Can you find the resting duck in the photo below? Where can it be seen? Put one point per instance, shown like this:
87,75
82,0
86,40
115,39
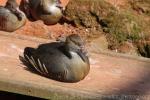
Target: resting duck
49,11
63,61
11,18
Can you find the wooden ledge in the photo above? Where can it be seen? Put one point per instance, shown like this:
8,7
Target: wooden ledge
110,74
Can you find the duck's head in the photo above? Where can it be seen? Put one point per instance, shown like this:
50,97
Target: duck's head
75,42
51,11
11,4
14,8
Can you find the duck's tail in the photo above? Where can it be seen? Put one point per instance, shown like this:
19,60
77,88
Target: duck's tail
34,63
28,57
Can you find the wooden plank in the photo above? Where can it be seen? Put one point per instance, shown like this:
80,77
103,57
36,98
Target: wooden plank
109,75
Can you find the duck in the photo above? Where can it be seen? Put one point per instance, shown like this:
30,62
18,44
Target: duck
62,61
49,11
11,17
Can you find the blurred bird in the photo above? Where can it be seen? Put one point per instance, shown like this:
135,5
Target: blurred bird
49,11
11,18
62,61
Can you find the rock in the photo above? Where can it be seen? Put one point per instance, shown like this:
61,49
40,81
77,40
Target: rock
34,29
144,48
99,44
128,48
141,6
87,13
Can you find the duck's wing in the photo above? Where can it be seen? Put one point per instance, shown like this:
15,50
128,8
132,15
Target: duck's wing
33,61
40,58
65,51
29,51
50,45
28,58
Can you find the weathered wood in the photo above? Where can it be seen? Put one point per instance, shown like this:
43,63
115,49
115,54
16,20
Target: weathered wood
109,74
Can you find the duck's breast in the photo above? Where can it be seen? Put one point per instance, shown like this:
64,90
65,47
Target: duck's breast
78,67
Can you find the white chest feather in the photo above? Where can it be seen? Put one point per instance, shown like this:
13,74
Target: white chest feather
53,9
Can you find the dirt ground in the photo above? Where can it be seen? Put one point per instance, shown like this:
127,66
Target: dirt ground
38,29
